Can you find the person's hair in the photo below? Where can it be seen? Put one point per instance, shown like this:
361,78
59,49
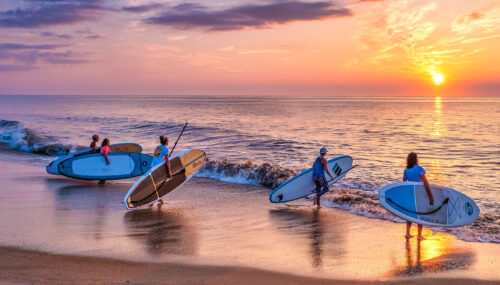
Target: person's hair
95,137
105,142
163,140
411,160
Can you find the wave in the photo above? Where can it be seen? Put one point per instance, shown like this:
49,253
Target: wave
246,173
16,136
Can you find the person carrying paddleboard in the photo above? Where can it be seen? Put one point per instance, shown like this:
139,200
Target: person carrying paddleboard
161,155
93,144
320,166
416,173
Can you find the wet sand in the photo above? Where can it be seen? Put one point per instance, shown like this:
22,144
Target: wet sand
212,232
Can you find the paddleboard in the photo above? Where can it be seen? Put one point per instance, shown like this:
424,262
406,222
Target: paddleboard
93,166
409,200
302,184
154,184
53,167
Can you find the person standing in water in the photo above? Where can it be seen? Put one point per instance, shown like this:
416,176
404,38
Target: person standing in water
319,168
104,151
416,173
161,155
93,144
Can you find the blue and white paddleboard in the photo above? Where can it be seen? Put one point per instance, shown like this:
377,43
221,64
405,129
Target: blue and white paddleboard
409,200
302,185
93,166
53,167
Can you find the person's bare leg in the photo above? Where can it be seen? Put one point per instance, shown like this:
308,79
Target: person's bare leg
408,228
315,200
420,237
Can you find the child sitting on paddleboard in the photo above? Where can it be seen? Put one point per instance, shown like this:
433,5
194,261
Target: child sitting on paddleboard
93,144
416,173
161,155
319,168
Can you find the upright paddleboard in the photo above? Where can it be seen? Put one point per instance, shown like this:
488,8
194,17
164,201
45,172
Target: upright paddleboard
302,184
93,166
154,184
53,167
409,200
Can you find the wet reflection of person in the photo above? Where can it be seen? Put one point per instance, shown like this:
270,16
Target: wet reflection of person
317,233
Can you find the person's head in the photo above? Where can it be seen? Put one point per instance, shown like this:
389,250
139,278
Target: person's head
164,140
323,151
411,160
95,138
105,142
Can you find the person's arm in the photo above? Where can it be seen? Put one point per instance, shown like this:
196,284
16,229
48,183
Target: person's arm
105,154
167,164
428,188
93,147
325,165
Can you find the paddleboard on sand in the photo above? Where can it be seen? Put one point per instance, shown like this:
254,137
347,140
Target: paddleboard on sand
154,184
53,167
93,166
302,184
409,200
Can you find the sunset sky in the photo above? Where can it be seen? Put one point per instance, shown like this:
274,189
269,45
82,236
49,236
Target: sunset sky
272,47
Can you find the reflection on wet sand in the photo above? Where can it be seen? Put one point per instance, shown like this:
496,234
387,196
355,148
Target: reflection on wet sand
433,255
163,231
315,226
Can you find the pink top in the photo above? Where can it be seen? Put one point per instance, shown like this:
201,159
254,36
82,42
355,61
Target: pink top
105,149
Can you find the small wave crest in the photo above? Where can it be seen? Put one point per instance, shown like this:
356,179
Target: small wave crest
264,174
17,136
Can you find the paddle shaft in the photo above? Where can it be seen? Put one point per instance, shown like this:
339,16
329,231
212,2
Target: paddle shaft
185,125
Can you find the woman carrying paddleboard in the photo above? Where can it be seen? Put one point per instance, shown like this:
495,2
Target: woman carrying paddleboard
319,168
160,155
416,173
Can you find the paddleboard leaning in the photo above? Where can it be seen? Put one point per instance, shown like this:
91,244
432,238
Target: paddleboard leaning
93,166
53,167
154,184
409,200
302,184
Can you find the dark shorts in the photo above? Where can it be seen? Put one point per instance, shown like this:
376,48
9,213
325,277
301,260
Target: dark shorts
321,185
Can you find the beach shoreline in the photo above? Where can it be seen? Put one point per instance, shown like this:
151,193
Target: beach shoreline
33,267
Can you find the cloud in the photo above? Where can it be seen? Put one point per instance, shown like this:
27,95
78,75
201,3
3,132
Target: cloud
58,36
477,22
192,15
143,8
42,13
21,57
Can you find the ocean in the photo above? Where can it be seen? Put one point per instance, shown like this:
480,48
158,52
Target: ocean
266,140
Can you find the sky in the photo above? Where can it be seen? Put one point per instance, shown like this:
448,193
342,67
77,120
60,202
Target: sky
260,47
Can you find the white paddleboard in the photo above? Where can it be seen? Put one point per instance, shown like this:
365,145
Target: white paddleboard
93,166
302,184
409,201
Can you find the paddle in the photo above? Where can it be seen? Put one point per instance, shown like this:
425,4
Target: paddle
178,139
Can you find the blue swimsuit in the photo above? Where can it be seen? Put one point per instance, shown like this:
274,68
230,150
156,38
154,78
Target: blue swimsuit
319,177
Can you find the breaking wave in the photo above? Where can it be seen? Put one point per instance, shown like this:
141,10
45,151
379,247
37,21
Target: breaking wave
16,136
246,173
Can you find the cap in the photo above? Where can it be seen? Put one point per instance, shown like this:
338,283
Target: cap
323,150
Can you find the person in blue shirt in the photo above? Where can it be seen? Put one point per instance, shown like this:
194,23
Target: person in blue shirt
416,173
320,166
161,155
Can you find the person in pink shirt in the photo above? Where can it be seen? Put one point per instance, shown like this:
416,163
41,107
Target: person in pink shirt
105,149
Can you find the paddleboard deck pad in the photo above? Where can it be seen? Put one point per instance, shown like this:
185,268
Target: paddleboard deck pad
302,184
53,167
154,184
93,166
410,201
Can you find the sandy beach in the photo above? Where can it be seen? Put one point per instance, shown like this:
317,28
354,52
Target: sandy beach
211,232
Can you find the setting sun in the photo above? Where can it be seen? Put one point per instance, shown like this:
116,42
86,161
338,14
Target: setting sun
437,77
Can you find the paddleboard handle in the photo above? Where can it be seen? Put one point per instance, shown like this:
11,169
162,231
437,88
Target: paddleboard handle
341,174
185,125
419,213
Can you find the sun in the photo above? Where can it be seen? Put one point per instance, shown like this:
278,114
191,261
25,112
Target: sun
437,77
